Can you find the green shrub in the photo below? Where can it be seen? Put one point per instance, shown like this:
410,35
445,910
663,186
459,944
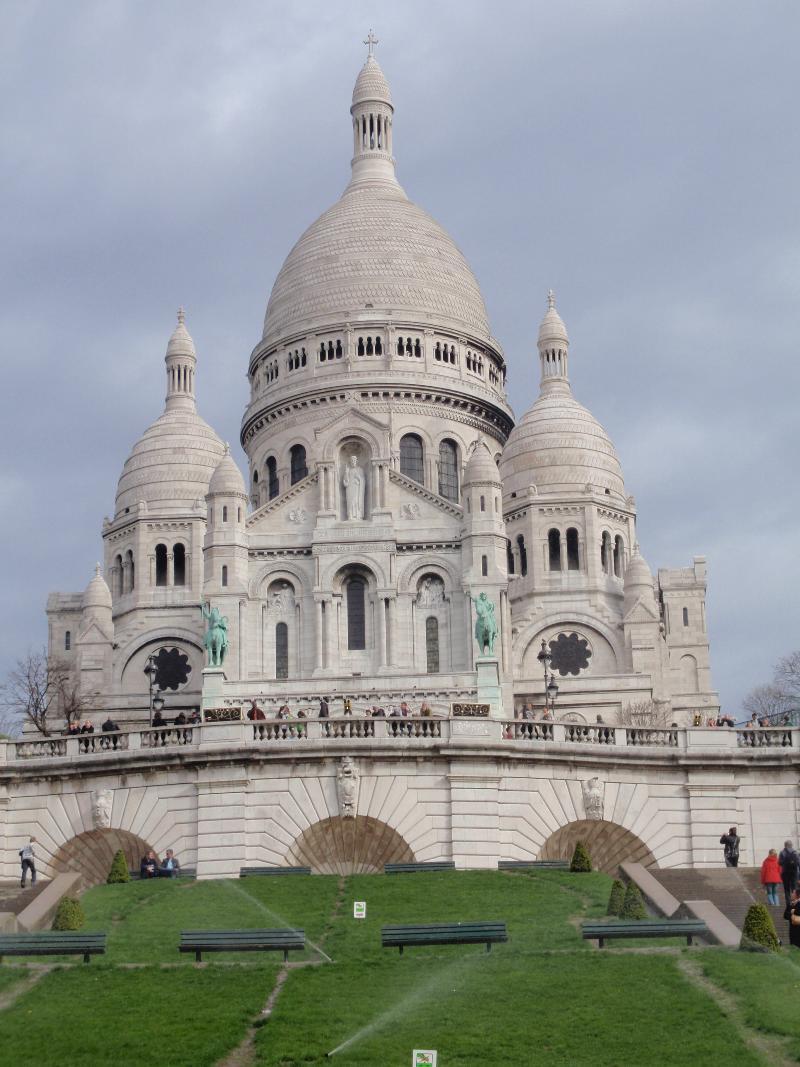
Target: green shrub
758,931
581,860
69,915
617,898
633,904
119,869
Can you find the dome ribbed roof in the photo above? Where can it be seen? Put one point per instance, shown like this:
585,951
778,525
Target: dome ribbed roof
171,463
637,573
559,445
227,478
96,594
481,467
377,252
371,83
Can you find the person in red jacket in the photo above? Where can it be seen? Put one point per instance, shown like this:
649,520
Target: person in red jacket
771,877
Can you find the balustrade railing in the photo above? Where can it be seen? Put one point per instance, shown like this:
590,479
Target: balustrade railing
764,737
50,747
163,736
580,733
655,738
529,731
112,741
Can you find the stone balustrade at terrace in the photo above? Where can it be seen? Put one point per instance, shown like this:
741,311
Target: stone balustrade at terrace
292,735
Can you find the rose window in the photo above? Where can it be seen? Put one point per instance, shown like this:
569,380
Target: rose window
571,654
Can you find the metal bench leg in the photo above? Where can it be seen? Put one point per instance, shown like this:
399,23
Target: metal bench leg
401,950
688,939
286,955
86,957
488,946
601,942
198,956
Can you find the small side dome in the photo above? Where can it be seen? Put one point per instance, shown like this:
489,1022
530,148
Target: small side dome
481,467
96,595
371,84
637,573
227,478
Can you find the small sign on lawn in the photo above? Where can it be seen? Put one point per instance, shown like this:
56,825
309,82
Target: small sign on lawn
360,912
424,1058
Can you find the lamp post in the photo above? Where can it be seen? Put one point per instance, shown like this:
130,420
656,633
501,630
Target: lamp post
550,686
151,670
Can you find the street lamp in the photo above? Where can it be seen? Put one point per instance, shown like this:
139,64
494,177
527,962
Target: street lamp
151,670
550,686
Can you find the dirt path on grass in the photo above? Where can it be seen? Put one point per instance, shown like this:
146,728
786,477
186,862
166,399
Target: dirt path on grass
772,1050
244,1055
15,992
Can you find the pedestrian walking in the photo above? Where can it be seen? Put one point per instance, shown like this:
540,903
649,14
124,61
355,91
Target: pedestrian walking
789,863
28,863
771,877
731,842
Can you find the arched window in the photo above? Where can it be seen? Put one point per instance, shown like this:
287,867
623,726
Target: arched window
356,613
685,616
432,644
378,347
179,564
483,503
485,566
412,457
606,553
554,550
224,512
67,641
118,582
509,558
297,463
161,564
619,554
360,348
523,555
224,574
272,477
281,650
131,570
573,556
448,470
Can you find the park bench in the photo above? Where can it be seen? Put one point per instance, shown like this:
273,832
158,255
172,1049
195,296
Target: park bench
415,868
246,872
542,865
472,933
182,872
603,932
200,941
53,943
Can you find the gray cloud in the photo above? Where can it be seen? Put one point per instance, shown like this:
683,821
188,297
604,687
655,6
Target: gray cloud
639,158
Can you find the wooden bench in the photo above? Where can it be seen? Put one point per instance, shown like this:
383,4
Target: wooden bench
472,933
415,868
602,932
53,943
522,865
246,872
182,872
200,941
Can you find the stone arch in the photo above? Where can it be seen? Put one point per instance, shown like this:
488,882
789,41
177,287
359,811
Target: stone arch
407,582
334,570
134,661
92,852
528,640
609,845
375,441
349,846
288,572
141,642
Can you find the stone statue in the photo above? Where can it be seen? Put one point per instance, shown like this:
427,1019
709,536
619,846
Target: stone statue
593,798
431,593
281,599
347,786
102,804
485,623
355,484
216,635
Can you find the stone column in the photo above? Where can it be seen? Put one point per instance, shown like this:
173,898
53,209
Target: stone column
170,569
381,606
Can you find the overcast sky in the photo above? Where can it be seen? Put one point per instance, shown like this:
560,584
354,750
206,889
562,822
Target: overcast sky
639,157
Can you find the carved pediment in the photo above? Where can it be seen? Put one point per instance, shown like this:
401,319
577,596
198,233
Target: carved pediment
352,417
295,508
424,499
641,612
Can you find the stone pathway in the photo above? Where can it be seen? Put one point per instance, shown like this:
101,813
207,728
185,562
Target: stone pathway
35,973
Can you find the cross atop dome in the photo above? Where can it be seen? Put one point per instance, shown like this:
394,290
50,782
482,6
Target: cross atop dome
370,42
181,315
551,299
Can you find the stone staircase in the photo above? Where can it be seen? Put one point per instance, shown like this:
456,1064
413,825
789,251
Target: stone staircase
731,889
14,900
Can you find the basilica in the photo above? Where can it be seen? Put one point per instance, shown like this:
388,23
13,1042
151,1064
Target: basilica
388,486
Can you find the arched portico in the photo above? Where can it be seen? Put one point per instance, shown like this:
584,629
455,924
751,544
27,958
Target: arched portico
91,853
349,846
609,845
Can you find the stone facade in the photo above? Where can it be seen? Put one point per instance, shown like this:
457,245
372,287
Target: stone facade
387,486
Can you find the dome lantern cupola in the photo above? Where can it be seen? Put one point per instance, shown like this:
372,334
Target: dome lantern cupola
372,113
181,361
553,349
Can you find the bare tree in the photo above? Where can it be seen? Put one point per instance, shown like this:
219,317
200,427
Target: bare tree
646,714
42,690
768,699
787,676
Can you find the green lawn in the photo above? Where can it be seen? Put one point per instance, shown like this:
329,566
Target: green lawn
545,996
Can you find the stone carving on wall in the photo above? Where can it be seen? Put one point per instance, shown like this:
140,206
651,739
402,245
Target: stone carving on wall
281,599
298,515
102,804
431,592
593,798
354,481
347,787
410,510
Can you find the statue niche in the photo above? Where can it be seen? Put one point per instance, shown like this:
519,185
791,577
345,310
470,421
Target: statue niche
354,477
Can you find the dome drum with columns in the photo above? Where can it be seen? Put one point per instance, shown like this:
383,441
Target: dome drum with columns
387,487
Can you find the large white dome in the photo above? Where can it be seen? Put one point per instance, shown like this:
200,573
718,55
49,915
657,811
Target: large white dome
375,252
